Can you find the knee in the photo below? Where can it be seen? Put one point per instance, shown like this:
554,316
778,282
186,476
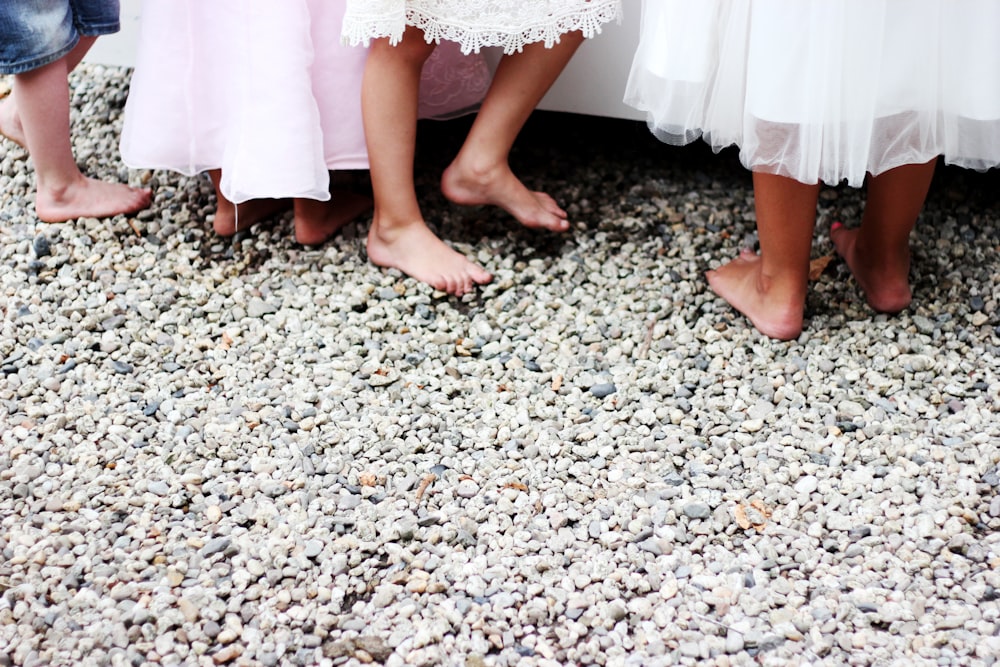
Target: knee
412,49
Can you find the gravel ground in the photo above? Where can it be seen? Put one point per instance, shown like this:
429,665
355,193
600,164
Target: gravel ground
250,452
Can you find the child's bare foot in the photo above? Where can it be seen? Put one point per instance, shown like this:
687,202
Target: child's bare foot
498,186
89,198
10,122
317,221
775,308
885,279
417,252
227,222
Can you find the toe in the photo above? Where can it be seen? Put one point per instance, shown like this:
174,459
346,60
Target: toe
456,285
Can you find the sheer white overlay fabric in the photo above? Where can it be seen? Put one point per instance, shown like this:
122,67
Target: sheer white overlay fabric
824,90
265,91
474,24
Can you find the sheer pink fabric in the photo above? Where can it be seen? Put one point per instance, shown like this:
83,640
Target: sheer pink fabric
266,91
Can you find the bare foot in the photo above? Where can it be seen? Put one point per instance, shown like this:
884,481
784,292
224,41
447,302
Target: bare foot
317,221
776,310
498,186
417,252
227,223
89,198
885,279
10,122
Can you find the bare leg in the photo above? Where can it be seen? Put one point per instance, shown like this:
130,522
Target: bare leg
63,193
770,288
10,119
230,217
399,237
481,173
878,252
317,221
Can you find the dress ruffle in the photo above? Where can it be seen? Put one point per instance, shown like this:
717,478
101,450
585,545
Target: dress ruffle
476,24
824,90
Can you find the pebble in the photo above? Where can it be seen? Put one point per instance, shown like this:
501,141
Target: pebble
313,549
122,367
216,545
734,641
697,511
603,390
227,654
158,487
806,485
467,488
258,308
41,246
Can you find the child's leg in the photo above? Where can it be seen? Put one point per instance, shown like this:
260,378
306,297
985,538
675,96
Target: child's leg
770,288
399,237
229,217
480,174
10,119
63,193
317,221
878,252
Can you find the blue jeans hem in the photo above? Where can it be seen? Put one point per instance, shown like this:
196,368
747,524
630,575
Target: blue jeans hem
49,58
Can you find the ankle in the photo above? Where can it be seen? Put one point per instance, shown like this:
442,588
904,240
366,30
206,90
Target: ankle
388,229
891,258
475,168
57,191
785,287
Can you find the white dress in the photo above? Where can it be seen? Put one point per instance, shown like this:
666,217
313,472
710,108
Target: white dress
474,24
824,90
266,92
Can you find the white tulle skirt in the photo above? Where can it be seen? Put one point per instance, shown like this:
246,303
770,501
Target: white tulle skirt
475,24
264,91
824,90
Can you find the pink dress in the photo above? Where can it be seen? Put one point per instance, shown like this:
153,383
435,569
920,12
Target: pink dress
264,91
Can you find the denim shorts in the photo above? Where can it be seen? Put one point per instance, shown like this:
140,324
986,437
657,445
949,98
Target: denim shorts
34,33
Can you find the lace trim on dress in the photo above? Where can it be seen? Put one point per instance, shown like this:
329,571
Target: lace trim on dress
362,27
547,27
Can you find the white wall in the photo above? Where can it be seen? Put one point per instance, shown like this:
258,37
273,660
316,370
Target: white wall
594,82
119,49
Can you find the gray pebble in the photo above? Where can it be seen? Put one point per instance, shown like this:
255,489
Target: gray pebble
603,390
215,545
41,246
697,511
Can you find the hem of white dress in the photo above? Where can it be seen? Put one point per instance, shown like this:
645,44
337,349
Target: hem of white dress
588,20
361,30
